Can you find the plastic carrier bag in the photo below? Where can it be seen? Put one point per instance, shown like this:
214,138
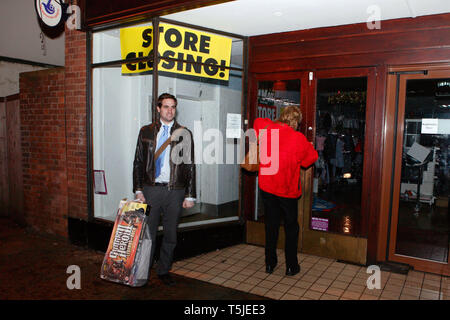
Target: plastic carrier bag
127,258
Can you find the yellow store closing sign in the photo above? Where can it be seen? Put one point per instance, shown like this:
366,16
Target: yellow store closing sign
177,43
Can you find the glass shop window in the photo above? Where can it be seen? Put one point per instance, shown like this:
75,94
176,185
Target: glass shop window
195,67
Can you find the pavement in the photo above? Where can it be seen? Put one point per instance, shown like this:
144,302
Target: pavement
35,273
37,267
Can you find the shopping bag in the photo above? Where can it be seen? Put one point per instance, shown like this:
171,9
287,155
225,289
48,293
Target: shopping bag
251,159
127,259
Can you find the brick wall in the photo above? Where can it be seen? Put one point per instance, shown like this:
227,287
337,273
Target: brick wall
75,95
53,128
43,139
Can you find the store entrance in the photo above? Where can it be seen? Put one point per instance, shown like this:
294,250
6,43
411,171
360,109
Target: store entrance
269,94
420,224
340,113
336,106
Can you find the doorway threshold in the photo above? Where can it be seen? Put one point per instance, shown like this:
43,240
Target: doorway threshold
395,267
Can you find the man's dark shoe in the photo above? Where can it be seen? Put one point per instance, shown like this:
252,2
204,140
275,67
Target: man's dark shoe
293,271
166,279
269,268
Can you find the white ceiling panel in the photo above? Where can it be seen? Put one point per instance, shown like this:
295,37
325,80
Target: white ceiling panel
256,17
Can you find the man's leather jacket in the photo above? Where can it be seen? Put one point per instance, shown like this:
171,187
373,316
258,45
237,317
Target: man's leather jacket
182,175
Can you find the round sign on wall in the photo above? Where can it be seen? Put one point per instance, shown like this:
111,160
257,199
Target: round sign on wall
50,12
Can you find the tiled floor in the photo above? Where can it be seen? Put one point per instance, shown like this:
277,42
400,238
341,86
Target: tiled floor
242,268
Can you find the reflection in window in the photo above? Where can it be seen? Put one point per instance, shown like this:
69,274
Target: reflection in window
273,96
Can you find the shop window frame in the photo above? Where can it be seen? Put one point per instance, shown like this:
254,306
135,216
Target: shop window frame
90,66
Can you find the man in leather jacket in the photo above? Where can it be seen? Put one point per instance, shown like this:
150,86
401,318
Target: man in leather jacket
166,183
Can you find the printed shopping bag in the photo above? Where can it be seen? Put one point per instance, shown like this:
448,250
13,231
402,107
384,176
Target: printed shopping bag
127,258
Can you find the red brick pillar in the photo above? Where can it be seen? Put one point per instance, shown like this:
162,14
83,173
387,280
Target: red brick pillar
75,99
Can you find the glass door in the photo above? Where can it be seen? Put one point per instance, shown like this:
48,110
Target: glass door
273,97
269,94
421,191
340,121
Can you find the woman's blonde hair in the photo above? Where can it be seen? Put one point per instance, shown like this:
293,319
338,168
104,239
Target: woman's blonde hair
292,116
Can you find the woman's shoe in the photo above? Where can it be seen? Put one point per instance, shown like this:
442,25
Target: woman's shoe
293,271
269,268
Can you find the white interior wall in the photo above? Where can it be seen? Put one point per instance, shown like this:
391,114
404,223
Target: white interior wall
197,103
107,46
120,108
189,111
228,174
210,104
118,114
210,170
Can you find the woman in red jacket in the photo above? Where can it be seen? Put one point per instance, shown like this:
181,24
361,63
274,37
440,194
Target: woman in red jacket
283,150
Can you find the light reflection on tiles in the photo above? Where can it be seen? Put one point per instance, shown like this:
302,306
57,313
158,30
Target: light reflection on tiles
242,267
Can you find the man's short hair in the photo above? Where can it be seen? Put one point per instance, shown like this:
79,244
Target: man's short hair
166,96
